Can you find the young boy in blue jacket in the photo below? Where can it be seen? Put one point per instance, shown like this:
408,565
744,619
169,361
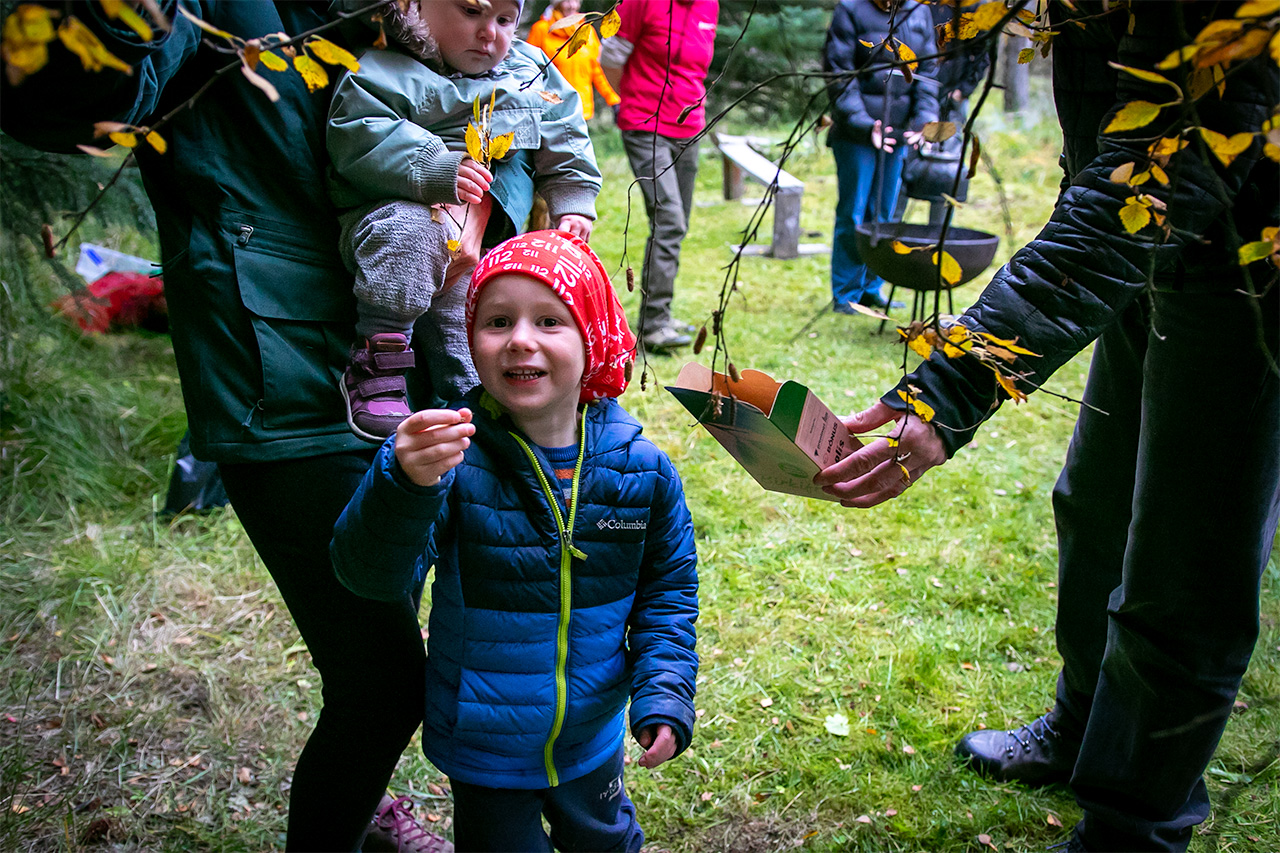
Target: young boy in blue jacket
418,209
566,574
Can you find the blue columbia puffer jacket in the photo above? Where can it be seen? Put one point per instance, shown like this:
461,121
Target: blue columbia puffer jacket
537,637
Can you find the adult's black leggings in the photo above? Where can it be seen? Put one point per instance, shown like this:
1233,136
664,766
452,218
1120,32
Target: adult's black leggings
370,654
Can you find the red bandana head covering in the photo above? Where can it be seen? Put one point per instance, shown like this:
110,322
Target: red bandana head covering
575,274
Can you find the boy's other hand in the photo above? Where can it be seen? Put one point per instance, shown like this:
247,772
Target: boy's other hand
474,181
578,226
429,443
659,743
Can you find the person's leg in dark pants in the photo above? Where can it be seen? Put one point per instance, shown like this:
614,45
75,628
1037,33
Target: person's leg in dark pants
1092,504
590,814
1184,620
498,819
369,654
665,178
594,812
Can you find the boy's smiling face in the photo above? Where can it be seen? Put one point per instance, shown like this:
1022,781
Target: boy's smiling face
470,37
530,356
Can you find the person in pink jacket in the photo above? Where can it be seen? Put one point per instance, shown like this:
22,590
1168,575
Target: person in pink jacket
582,68
658,63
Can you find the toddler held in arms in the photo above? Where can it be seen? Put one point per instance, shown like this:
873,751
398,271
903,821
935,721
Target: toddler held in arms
565,568
419,210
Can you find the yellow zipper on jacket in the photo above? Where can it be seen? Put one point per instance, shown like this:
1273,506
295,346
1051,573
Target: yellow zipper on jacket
567,553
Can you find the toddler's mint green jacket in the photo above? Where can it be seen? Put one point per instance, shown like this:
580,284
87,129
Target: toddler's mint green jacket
397,130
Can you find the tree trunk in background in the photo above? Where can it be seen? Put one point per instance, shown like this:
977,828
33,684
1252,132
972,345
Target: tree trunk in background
1016,78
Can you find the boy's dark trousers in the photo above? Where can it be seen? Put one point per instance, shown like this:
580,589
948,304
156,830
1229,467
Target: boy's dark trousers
590,813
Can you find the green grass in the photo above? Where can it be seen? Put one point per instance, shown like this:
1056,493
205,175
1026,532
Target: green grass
154,693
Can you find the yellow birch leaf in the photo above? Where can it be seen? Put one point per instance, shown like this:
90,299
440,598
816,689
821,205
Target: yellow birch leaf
1248,45
988,15
957,333
1149,76
907,55
610,24
865,43
1026,55
1012,345
1271,233
952,351
475,148
900,248
499,144
906,475
125,138
578,41
1009,388
938,131
1140,178
208,28
891,441
1159,174
328,52
453,245
1255,251
1274,47
1134,215
920,347
1167,146
922,409
272,62
1133,115
951,271
313,73
261,82
1216,32
475,110
567,22
157,142
1226,148
1178,57
1001,353
1258,9
1219,79
1199,84
123,12
94,56
1272,151
1122,173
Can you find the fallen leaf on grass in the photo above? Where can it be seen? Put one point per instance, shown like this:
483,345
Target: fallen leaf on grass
862,819
244,776
890,812
431,816
916,788
706,796
985,840
1053,820
766,702
837,724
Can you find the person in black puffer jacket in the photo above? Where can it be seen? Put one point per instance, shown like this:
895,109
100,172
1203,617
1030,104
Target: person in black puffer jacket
874,106
1162,542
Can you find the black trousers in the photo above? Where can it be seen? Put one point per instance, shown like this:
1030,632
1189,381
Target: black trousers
1166,514
370,654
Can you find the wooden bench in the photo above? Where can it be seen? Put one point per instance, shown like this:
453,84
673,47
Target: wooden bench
742,161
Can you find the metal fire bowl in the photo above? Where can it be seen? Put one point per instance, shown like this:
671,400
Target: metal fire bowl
973,250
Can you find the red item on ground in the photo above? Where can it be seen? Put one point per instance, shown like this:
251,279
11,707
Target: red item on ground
118,300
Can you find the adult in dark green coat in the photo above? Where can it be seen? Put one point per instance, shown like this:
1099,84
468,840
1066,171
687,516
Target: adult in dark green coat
262,314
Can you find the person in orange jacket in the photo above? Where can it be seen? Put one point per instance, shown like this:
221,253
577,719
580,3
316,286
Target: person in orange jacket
582,69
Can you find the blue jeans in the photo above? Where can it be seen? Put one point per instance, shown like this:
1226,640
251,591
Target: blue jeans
856,184
590,813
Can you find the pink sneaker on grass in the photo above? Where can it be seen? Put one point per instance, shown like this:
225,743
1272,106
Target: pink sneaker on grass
395,830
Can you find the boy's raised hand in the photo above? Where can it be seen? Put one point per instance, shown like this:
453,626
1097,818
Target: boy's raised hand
429,443
659,744
473,181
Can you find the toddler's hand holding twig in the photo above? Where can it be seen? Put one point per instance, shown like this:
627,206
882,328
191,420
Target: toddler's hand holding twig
429,443
474,181
578,226
659,743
